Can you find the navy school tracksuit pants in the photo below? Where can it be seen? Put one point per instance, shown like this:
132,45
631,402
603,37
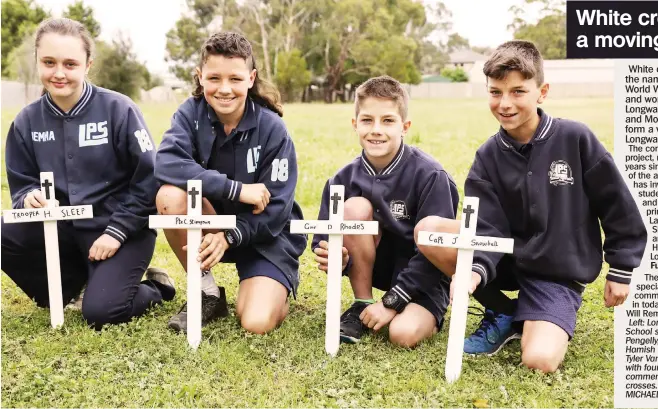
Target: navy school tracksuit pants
115,292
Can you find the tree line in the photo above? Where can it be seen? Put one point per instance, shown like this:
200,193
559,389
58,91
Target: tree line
115,65
311,49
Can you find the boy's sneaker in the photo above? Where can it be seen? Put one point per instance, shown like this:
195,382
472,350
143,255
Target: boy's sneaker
76,303
494,332
351,327
165,283
212,308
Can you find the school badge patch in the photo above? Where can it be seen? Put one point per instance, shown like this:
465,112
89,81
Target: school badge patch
398,209
560,173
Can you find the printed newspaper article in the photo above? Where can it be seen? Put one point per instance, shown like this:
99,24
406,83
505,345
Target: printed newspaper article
636,154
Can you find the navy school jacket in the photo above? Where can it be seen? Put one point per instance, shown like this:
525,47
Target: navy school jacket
412,187
101,154
258,150
549,196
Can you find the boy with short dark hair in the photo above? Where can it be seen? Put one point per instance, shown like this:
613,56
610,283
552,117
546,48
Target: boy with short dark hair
396,185
546,182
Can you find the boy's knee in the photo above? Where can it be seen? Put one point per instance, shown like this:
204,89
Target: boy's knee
405,334
436,224
98,314
171,200
258,322
541,359
358,208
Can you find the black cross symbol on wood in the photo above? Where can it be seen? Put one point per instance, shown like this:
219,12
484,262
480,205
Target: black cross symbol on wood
193,193
335,198
46,185
468,211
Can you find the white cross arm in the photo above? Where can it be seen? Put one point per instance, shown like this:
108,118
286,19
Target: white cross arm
334,227
192,222
48,214
482,243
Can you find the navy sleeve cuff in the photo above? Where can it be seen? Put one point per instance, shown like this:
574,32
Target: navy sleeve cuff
232,190
233,237
482,271
619,274
116,232
402,293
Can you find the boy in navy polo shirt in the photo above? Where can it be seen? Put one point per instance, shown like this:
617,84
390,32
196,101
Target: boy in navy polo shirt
396,185
546,182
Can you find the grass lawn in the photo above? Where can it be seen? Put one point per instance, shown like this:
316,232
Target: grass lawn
143,364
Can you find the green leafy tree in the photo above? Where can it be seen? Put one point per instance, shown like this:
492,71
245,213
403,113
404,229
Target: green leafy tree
115,67
455,74
21,64
549,33
185,39
149,80
457,42
292,74
19,19
85,15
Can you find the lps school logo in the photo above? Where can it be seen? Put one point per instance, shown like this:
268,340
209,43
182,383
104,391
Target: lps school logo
560,173
398,209
92,134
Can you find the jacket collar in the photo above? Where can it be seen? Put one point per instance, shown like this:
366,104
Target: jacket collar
87,93
394,164
543,132
248,121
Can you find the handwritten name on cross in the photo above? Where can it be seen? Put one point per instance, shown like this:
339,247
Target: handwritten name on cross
335,227
193,222
466,242
49,215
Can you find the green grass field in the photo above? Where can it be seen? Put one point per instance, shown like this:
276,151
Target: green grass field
143,364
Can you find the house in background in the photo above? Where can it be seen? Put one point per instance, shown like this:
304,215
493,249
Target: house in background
465,59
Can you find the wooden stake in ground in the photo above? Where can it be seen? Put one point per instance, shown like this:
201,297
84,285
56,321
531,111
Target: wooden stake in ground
335,227
193,222
466,242
49,215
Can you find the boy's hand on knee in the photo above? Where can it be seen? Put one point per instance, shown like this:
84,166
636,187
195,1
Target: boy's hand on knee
255,194
376,316
211,250
615,293
103,248
322,255
475,281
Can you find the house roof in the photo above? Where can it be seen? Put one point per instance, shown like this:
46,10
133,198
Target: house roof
466,56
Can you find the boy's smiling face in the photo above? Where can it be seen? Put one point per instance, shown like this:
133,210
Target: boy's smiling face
513,101
380,129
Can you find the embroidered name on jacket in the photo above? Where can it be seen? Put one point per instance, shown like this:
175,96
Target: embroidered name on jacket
93,133
560,173
43,136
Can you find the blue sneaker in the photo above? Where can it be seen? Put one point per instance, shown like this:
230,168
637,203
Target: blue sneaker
494,332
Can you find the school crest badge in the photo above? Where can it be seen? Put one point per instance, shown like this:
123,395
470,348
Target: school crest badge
560,173
398,210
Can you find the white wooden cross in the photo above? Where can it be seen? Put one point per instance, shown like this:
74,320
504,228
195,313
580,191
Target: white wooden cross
193,222
335,227
466,242
49,215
